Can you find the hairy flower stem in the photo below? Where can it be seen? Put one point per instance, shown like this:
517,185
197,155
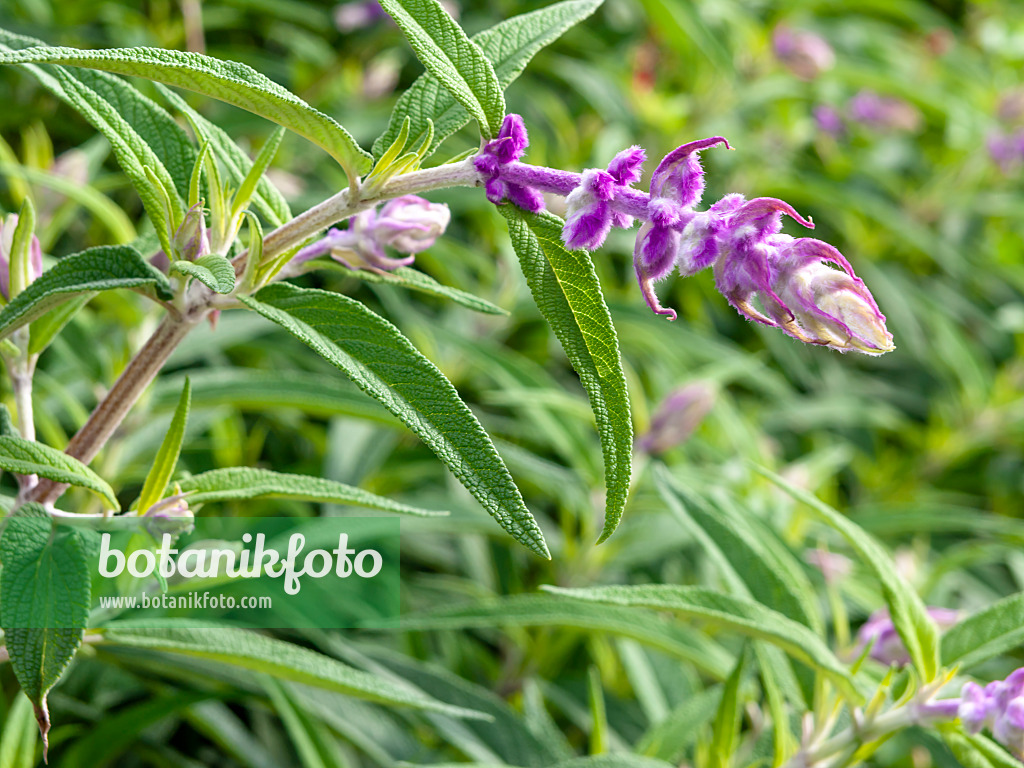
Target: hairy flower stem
129,386
839,748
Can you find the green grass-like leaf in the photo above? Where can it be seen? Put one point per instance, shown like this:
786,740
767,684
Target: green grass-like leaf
568,293
746,617
384,364
284,661
167,456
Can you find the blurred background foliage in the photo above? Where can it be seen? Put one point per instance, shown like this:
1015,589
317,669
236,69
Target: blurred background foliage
898,126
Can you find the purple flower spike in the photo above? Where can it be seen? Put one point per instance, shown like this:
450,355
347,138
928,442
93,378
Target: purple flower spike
679,175
512,140
589,217
999,706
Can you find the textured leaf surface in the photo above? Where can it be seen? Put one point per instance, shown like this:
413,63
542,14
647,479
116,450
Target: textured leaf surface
44,601
509,46
167,455
27,457
455,60
553,611
743,616
248,650
568,293
991,632
384,364
213,270
97,269
235,483
915,627
227,81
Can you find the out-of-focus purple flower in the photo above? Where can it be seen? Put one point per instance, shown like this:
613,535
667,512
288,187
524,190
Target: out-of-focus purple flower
409,224
1006,150
35,262
884,112
677,418
1010,109
999,706
804,53
886,645
833,566
359,14
829,120
190,241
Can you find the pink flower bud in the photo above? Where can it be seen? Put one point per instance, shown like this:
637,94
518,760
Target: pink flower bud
678,417
190,242
410,224
827,306
171,515
805,54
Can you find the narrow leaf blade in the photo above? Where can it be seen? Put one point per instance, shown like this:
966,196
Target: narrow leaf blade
385,365
27,457
568,293
227,81
450,56
167,456
242,483
98,269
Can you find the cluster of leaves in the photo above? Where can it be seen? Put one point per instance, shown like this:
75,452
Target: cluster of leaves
714,635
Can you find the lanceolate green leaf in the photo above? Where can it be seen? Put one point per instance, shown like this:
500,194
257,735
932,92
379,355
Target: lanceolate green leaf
228,81
97,269
509,46
44,601
385,364
167,457
739,615
248,650
213,270
990,632
27,457
455,60
568,293
915,627
240,483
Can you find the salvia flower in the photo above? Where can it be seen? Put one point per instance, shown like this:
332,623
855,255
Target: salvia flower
999,707
884,112
886,645
767,276
8,226
408,224
171,515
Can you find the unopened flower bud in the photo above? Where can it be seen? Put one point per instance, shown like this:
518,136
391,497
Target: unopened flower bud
190,242
828,306
886,645
834,567
171,515
8,226
678,417
410,224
